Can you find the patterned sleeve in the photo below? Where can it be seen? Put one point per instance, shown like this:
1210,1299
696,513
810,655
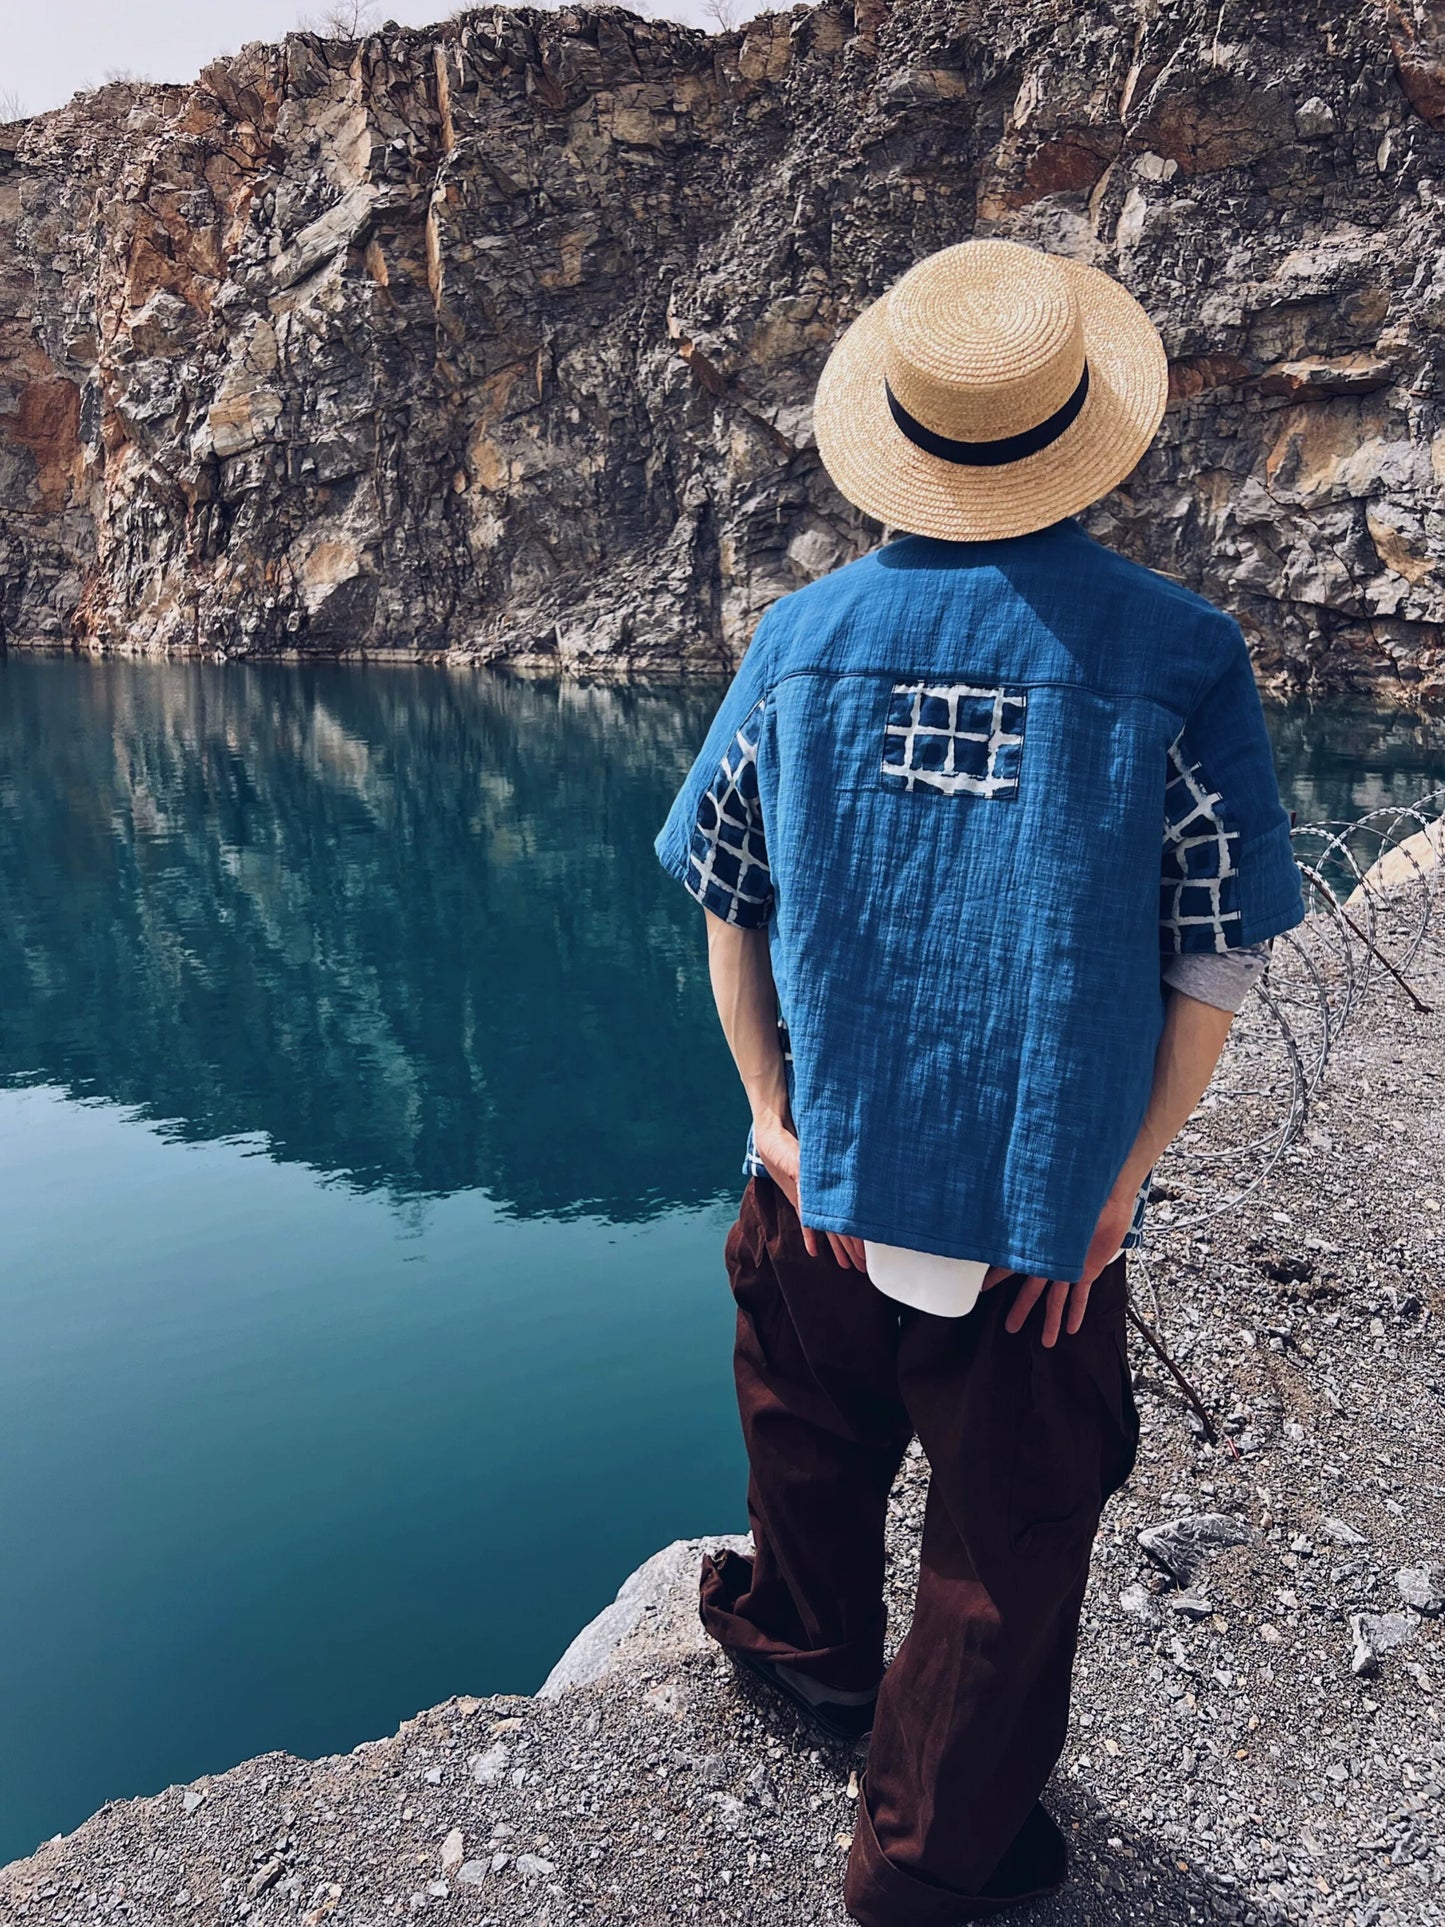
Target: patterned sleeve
1228,878
727,867
1134,1236
714,840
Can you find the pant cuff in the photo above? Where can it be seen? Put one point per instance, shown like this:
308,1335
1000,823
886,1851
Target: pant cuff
725,1578
879,1894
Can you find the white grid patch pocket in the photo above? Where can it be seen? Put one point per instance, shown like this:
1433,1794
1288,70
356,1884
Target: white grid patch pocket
955,738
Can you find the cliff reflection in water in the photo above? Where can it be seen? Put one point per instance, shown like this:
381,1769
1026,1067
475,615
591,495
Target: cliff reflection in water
406,924
1336,760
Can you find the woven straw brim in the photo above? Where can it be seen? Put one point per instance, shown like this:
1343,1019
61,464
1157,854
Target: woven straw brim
875,465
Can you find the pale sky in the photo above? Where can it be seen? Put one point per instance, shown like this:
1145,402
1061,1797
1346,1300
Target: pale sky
51,48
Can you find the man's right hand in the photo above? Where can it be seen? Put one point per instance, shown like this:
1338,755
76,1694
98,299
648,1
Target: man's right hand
776,1143
1066,1301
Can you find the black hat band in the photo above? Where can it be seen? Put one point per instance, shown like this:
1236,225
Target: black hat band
991,454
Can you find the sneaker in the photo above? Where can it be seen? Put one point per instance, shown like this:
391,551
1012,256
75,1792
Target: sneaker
841,1715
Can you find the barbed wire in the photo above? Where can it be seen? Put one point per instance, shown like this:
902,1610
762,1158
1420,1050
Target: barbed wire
1372,885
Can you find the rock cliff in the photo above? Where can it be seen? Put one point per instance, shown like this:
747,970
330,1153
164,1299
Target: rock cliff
498,338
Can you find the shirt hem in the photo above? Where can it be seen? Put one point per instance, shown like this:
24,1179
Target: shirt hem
849,1227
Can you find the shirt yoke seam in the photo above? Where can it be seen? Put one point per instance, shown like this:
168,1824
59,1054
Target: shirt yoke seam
1036,682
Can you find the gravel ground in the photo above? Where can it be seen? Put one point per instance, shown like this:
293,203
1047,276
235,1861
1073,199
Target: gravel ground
1257,1733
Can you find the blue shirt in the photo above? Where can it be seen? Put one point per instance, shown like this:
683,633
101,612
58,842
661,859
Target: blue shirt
939,779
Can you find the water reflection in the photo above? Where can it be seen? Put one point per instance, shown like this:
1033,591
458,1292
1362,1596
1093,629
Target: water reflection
1337,760
404,923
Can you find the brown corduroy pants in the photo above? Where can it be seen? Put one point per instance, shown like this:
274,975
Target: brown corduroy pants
1024,1447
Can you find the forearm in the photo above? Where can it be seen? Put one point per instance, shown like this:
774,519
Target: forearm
747,1007
1189,1048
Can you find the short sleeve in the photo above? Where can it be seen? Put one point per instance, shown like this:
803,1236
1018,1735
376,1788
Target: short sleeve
1220,978
714,840
1228,877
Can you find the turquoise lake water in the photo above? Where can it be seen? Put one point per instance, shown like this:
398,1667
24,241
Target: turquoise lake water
367,1144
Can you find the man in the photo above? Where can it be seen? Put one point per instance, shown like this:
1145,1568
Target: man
991,846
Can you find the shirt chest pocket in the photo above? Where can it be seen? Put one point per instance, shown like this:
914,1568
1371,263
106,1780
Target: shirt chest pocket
949,739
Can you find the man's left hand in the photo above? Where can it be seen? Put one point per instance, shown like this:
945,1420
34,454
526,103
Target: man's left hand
776,1143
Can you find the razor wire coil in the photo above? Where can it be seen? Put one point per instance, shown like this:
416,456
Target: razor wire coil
1371,886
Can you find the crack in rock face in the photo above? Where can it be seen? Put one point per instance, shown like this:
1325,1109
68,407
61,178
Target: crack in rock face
497,339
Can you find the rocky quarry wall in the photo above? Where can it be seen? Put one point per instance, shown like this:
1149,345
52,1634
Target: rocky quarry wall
497,339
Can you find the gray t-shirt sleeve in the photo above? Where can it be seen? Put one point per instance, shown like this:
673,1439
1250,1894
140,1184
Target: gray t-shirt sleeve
1223,978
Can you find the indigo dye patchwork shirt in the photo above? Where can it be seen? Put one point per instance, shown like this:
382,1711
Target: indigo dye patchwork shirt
943,778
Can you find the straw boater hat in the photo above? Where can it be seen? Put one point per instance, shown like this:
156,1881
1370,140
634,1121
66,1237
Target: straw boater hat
994,389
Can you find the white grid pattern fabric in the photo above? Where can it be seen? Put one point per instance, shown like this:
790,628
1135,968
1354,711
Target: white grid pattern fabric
727,868
1197,908
957,738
